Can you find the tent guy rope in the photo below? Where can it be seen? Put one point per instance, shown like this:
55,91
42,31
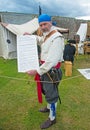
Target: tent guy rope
21,79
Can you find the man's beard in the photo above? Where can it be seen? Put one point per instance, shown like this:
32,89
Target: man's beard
46,33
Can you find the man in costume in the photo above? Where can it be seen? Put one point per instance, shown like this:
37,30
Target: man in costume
52,45
69,51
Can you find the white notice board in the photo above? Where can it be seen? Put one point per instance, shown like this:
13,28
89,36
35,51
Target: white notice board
85,72
27,54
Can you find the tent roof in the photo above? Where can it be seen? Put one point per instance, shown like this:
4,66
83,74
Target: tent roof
29,27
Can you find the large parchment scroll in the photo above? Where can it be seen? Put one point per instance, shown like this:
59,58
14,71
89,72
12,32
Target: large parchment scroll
27,54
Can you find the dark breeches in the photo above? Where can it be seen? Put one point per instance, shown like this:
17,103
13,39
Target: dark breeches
49,88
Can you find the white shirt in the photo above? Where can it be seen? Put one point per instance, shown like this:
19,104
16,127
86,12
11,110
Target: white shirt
51,51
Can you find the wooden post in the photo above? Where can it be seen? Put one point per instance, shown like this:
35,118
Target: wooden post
76,53
68,68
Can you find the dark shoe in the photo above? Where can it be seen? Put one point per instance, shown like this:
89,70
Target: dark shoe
48,123
44,110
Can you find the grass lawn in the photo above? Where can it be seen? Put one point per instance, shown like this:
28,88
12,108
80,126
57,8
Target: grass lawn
19,105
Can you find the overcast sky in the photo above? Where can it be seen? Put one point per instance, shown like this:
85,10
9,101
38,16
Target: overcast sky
64,8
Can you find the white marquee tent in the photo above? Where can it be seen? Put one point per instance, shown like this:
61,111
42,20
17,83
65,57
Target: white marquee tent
8,36
82,31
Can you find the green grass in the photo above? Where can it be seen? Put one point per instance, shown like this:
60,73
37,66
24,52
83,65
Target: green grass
19,105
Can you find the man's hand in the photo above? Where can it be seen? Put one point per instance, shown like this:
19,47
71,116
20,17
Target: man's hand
31,72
